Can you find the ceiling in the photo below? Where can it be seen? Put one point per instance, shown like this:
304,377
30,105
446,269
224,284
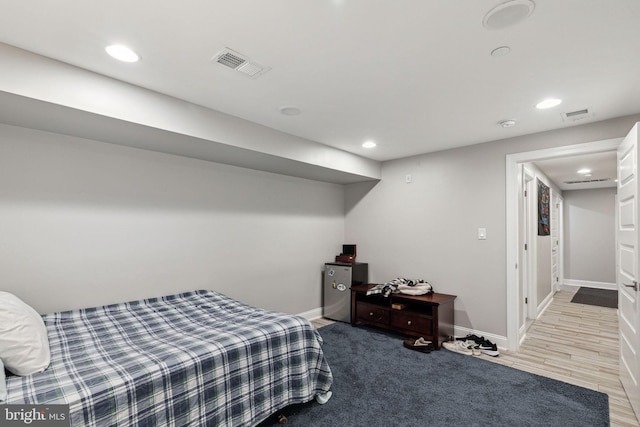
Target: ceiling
415,76
563,171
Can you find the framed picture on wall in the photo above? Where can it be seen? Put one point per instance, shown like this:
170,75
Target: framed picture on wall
543,209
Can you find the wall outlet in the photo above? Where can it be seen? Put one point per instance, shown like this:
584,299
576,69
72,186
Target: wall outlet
408,178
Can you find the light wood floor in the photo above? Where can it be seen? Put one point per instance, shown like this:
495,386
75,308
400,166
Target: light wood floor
574,343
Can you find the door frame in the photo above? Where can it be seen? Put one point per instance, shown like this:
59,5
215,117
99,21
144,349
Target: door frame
529,255
527,276
557,213
513,245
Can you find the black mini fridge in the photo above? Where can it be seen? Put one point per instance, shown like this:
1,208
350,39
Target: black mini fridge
336,288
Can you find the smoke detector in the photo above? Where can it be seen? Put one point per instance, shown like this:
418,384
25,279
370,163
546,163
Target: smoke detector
240,63
500,51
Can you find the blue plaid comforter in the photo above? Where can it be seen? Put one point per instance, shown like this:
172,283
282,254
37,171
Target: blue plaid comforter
193,359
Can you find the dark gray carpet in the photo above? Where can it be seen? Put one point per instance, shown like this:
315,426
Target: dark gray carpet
378,382
599,297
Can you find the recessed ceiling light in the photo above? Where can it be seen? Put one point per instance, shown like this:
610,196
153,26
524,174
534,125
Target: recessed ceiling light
584,171
507,123
548,103
369,144
122,53
290,111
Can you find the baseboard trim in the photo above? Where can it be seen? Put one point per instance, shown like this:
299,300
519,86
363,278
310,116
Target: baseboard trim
573,285
544,305
310,315
522,333
459,331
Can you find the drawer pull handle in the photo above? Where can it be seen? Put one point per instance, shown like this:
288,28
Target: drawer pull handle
409,322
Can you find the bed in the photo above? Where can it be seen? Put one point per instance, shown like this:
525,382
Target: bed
195,358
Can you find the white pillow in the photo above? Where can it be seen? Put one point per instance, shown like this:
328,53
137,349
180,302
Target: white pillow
24,344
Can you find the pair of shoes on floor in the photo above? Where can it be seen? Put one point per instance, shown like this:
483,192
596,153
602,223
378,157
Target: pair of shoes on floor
465,347
483,345
419,344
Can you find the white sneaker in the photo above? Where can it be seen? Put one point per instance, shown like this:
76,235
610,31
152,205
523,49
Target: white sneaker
458,347
473,346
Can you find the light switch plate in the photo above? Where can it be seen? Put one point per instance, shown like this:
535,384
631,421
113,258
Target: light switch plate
482,234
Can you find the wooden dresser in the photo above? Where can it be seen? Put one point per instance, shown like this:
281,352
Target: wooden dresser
428,316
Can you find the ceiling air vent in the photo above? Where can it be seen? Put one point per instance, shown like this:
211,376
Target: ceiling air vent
240,63
574,116
588,181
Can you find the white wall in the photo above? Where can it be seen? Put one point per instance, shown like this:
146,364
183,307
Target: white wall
86,223
428,229
589,218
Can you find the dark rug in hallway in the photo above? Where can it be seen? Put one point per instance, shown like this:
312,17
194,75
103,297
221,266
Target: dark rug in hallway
378,382
599,297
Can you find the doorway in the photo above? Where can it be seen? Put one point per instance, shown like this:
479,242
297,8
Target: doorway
515,179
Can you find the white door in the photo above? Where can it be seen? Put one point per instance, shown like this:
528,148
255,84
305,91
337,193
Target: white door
627,274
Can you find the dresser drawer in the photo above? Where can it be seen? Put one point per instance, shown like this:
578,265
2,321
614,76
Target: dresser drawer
372,313
412,321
